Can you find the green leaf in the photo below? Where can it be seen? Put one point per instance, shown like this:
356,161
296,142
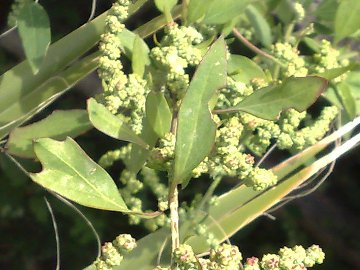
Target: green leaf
333,73
34,30
195,134
58,125
197,10
68,171
353,81
268,102
140,56
165,5
244,69
260,25
139,155
111,125
326,10
347,19
158,113
28,103
347,99
220,12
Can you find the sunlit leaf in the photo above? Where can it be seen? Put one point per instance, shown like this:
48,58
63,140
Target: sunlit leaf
197,9
244,69
347,19
347,99
34,29
196,129
111,125
220,12
261,27
58,125
140,56
268,102
68,171
158,113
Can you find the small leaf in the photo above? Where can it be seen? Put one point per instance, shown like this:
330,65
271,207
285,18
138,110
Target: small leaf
195,134
165,6
140,56
261,27
220,12
333,73
244,69
111,125
34,29
68,171
347,99
347,19
58,125
197,10
158,113
297,93
138,154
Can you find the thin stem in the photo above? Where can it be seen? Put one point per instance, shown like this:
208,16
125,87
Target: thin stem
255,49
174,219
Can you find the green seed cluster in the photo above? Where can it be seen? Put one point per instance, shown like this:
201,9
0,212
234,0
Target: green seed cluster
228,257
299,139
327,58
112,252
15,8
299,12
296,258
123,95
175,53
288,54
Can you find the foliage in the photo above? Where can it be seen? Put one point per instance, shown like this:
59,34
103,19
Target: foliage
187,107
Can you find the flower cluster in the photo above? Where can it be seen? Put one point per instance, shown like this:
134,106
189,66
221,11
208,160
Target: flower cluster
287,259
112,252
174,54
327,58
15,8
123,94
228,257
295,64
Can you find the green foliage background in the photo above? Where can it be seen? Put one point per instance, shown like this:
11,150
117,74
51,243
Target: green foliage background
327,217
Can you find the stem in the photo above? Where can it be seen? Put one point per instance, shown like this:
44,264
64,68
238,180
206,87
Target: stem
255,49
174,219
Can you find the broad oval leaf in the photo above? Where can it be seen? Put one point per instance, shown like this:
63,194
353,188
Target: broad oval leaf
68,171
111,125
268,102
158,113
244,69
58,125
34,29
220,12
196,129
347,19
197,10
260,25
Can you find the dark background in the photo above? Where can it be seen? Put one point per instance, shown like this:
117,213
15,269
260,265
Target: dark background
329,217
